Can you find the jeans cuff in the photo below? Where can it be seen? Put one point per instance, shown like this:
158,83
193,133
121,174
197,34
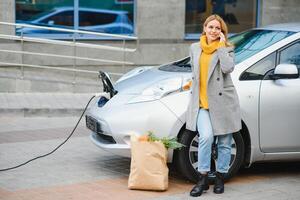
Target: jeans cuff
203,170
222,171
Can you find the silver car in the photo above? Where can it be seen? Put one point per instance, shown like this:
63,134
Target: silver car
267,80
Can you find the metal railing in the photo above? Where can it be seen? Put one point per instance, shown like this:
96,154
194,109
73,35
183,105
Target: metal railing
74,44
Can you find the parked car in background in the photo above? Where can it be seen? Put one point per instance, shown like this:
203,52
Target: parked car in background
266,77
97,20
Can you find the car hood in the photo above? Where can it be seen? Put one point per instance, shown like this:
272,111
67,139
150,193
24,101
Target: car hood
139,82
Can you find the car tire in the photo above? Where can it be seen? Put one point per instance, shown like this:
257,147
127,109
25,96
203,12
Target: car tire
184,158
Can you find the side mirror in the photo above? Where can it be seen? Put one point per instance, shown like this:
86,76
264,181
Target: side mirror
285,71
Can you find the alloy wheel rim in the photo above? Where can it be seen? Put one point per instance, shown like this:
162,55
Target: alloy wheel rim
193,155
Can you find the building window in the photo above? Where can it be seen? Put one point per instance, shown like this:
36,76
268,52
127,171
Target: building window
110,16
239,15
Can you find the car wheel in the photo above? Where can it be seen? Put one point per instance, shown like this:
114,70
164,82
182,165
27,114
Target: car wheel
186,159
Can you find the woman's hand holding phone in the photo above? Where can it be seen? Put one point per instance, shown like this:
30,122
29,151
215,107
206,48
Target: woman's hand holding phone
222,37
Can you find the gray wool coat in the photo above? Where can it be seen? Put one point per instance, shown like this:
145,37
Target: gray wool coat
224,108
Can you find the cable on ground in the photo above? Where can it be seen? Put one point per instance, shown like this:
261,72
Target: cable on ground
47,154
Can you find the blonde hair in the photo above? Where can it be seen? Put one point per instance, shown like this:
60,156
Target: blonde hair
224,27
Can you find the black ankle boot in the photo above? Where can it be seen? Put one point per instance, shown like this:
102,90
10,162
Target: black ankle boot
219,183
201,186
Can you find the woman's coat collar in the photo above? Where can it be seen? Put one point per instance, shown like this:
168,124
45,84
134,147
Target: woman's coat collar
196,54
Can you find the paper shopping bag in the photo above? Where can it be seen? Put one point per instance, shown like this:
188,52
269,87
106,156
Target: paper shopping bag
148,169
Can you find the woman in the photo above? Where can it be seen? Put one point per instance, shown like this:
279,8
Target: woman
214,107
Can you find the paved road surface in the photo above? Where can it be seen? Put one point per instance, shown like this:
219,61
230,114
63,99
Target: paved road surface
80,170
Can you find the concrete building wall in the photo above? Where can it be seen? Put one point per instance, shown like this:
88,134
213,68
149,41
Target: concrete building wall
160,19
7,14
280,11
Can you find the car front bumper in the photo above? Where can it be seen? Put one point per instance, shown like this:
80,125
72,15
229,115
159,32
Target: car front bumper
118,120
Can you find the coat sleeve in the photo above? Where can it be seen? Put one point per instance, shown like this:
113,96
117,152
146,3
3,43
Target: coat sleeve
226,57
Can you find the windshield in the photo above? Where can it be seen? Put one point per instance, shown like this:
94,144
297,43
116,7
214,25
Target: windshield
246,44
251,42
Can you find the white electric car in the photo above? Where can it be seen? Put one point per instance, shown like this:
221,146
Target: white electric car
267,80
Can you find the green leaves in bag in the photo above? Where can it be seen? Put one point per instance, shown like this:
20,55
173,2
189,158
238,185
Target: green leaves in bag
169,143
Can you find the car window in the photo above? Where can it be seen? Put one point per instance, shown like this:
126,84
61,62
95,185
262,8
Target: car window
179,66
87,18
291,55
251,42
63,18
39,15
259,69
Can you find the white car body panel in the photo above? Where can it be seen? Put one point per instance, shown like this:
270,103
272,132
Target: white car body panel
166,116
152,113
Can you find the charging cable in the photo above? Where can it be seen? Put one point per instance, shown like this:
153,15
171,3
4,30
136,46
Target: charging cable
47,154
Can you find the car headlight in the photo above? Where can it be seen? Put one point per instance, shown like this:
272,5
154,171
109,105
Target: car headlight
162,89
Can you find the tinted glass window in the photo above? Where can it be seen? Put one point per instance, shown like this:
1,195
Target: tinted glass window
39,15
95,18
251,42
291,55
258,70
62,18
94,14
238,15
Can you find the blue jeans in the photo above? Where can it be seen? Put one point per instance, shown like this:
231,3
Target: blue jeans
206,138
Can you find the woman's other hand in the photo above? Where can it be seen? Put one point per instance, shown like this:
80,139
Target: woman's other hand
222,37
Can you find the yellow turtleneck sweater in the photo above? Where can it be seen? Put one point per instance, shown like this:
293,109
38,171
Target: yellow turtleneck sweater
204,62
